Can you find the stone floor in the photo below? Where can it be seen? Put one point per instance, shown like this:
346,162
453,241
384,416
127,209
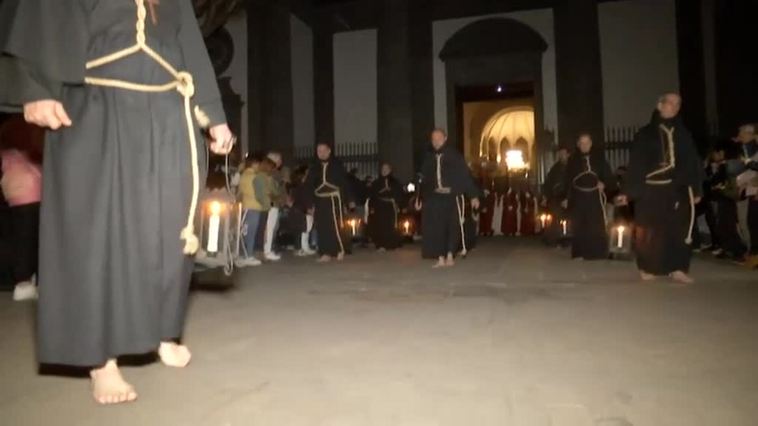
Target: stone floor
515,335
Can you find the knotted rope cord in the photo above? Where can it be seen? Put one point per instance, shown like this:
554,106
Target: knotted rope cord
691,194
440,189
333,194
601,194
672,157
460,204
390,199
183,83
671,165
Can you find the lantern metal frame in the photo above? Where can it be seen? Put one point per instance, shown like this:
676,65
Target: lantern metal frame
620,236
228,232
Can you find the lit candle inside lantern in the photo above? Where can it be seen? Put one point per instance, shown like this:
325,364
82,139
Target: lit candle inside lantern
620,236
407,227
353,225
543,220
564,226
214,224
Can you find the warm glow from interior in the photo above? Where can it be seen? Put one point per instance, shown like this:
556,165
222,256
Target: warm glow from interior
514,159
509,125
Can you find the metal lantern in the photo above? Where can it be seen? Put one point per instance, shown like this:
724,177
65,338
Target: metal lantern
620,240
355,227
219,230
544,221
564,228
407,227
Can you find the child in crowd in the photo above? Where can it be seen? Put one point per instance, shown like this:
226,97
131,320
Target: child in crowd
21,185
255,190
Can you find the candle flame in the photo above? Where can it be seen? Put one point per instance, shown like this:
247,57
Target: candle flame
215,208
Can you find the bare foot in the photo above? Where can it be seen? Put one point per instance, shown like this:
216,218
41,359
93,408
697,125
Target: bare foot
681,277
450,261
341,257
174,355
440,263
646,277
324,259
109,386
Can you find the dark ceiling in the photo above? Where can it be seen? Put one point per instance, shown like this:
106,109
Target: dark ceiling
350,15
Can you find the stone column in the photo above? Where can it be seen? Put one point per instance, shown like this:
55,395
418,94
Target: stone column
578,70
689,29
395,110
323,79
422,78
270,77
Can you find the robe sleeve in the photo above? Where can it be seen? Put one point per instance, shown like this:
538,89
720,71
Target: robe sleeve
572,169
426,186
341,180
547,186
607,177
43,43
397,192
207,100
691,174
19,85
309,186
635,175
468,184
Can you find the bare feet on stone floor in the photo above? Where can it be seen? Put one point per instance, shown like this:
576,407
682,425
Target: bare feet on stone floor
644,276
340,257
324,259
440,263
681,277
174,355
109,386
450,261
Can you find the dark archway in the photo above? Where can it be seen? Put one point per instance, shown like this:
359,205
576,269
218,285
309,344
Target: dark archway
501,54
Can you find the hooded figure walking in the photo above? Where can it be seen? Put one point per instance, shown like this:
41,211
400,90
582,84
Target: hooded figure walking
124,87
665,181
446,183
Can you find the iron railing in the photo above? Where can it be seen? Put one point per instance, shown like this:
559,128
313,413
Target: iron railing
363,156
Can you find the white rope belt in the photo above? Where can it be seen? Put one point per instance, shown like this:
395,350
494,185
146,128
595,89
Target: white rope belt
460,204
182,83
333,195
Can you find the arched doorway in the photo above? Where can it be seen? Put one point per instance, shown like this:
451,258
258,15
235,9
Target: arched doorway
509,129
498,62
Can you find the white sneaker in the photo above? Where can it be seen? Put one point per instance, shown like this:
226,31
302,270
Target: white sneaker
271,256
249,261
25,291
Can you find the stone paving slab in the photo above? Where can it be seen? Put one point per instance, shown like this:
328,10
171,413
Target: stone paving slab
517,334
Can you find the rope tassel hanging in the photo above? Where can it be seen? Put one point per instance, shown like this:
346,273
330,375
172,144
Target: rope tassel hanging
184,84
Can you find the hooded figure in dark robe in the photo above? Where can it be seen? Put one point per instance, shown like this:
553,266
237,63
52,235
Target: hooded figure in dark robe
446,183
385,199
329,192
554,192
665,181
125,86
588,177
